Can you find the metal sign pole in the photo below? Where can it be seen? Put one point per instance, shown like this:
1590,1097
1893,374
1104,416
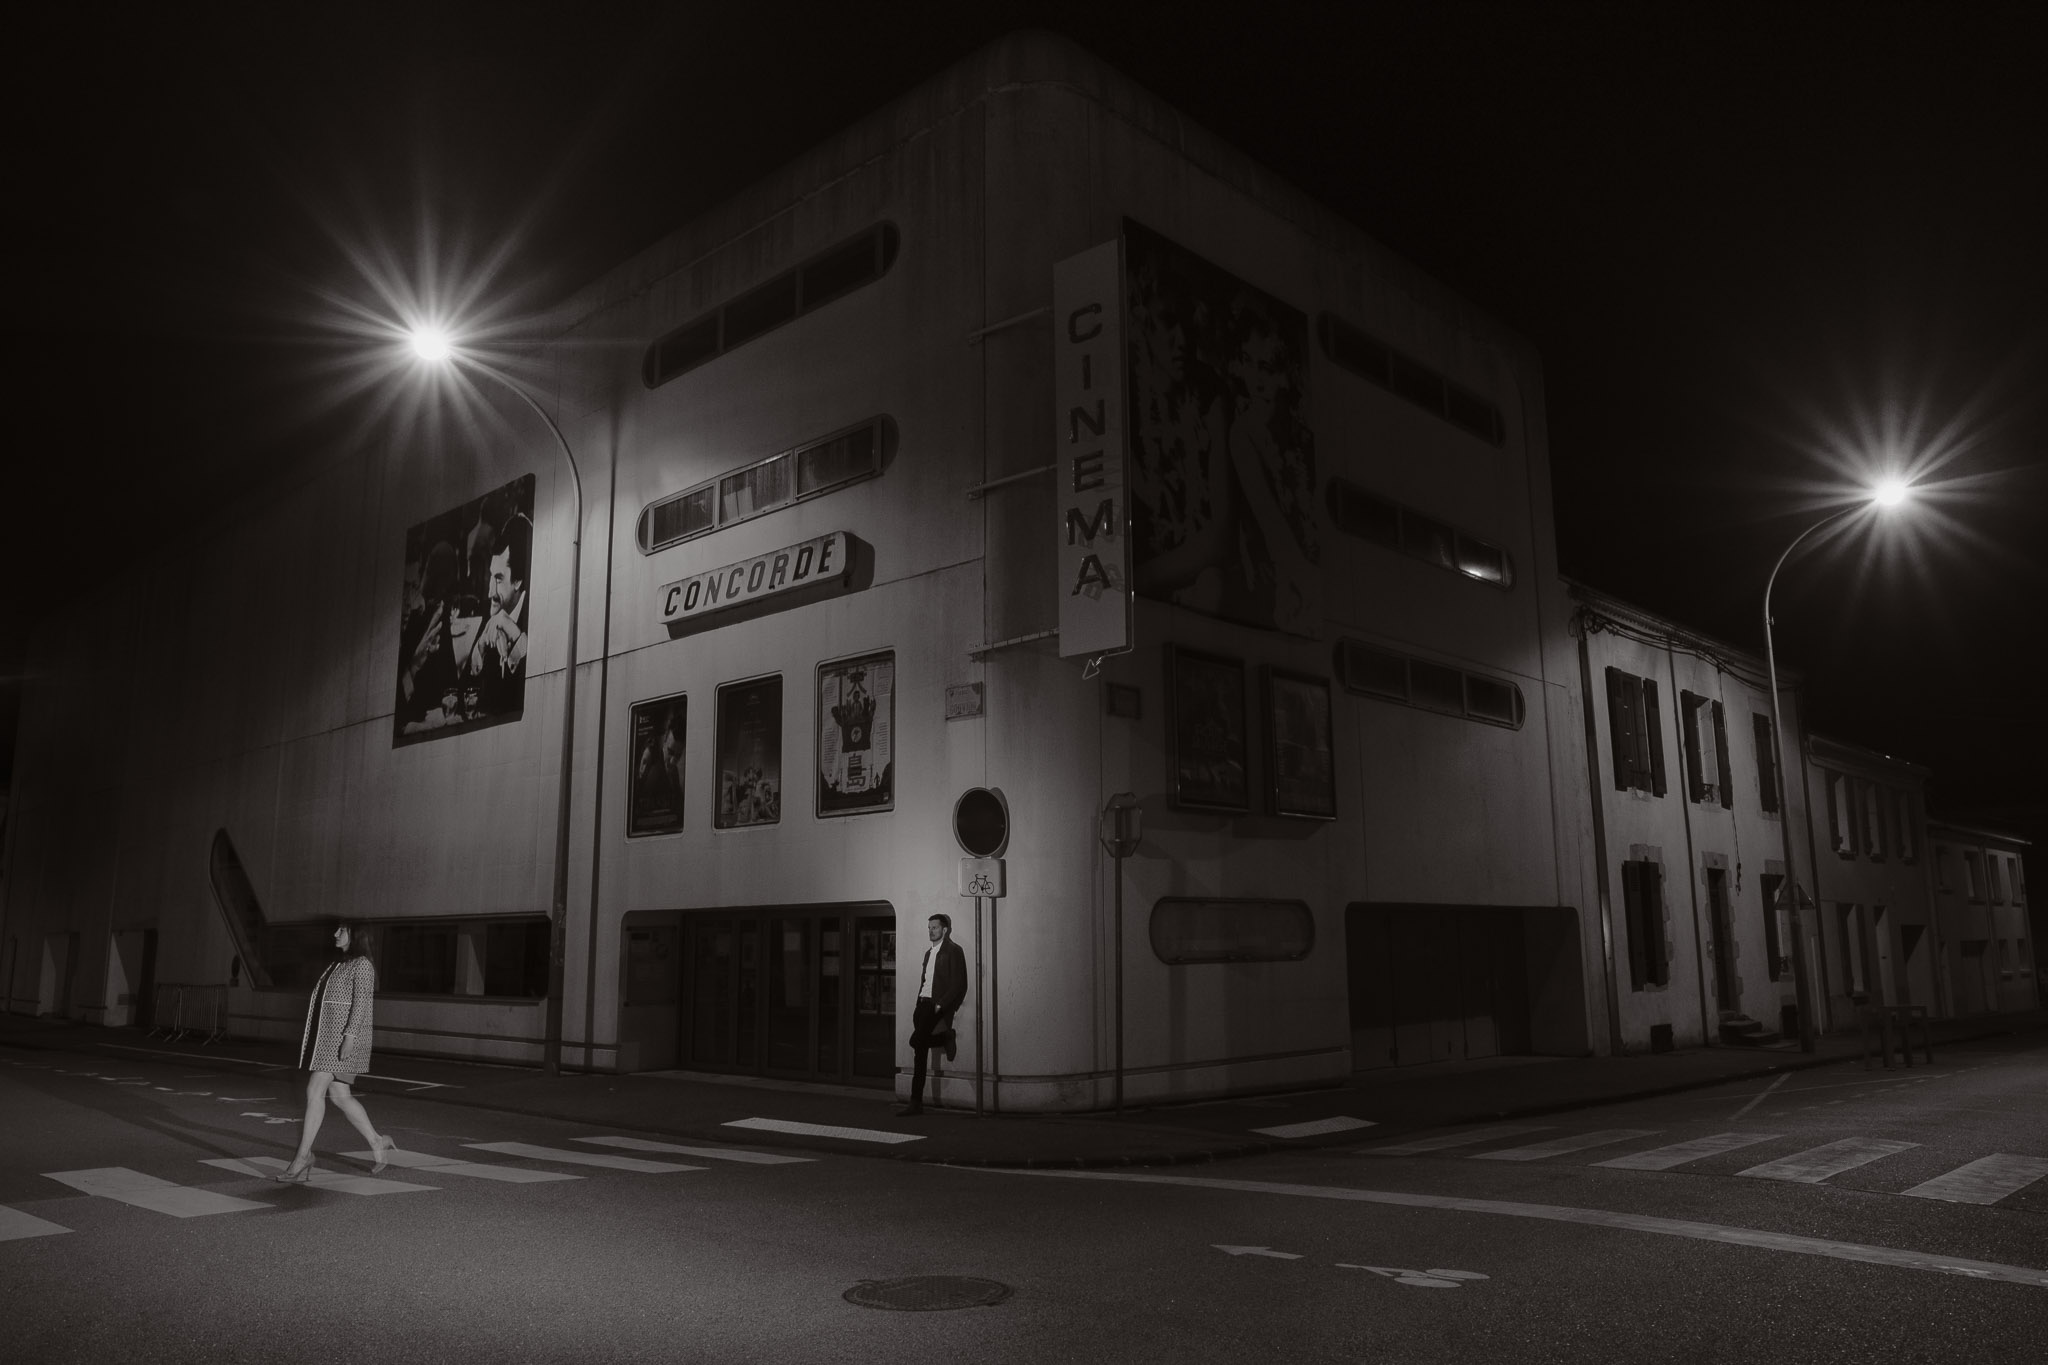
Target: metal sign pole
995,1022
977,1006
1119,863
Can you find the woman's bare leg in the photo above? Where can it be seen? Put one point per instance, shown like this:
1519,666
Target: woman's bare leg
316,1112
352,1109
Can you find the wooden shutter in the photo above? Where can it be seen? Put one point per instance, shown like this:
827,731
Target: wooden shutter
1658,949
1653,736
1766,764
1621,727
1721,757
1689,717
1632,923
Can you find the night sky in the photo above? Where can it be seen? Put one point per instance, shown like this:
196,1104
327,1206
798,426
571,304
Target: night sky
1761,249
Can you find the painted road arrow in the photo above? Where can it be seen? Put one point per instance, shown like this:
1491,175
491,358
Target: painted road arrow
1255,1251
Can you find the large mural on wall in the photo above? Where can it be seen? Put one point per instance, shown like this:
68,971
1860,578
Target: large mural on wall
1222,469
463,616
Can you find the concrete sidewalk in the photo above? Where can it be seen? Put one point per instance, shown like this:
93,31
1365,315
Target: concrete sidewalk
705,1108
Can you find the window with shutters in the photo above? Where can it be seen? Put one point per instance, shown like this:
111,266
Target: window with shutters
1706,750
1875,807
1642,890
1636,732
1766,763
1973,875
1908,828
1841,813
1997,881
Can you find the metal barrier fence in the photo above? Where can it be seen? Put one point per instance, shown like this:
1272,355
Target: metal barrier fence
1881,1019
181,1009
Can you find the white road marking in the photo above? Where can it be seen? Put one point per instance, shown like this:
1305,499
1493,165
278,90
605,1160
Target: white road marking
14,1225
1418,1279
442,1165
1315,1128
613,1163
1631,1222
1460,1139
1983,1181
1577,1142
1255,1251
825,1130
1759,1097
714,1153
147,1192
344,1182
1816,1164
1678,1153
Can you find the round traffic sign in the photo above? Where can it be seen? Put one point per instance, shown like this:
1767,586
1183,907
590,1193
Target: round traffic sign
981,822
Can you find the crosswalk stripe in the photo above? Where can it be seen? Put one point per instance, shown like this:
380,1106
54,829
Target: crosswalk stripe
147,1192
1678,1153
825,1130
1460,1139
615,1163
14,1224
442,1165
1315,1127
713,1153
343,1182
1816,1164
1578,1142
1983,1181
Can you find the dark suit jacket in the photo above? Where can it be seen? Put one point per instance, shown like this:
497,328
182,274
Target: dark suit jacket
949,979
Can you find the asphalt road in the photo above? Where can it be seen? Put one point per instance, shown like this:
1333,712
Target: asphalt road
1335,1253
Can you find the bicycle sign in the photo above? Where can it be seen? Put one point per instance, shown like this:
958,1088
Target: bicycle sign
981,877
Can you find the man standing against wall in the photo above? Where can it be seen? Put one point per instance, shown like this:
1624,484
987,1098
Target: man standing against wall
941,987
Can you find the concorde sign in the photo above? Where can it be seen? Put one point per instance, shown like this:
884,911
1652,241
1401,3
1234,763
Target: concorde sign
1088,388
795,572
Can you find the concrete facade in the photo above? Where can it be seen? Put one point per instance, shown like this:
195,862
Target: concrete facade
1870,832
1987,945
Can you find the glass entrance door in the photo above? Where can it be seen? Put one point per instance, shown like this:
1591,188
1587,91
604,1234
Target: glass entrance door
806,992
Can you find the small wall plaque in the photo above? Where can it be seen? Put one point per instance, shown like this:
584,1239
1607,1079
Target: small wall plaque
964,701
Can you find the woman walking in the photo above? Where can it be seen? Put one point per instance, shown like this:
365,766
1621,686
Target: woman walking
336,1047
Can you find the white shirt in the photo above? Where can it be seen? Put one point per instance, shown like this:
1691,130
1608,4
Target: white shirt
924,983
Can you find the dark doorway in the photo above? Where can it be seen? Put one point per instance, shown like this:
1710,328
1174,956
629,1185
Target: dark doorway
1727,992
145,984
803,992
1433,983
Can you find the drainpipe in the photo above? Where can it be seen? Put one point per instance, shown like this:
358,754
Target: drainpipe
1598,794
1692,872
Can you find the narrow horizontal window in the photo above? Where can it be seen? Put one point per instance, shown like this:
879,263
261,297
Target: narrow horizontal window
1390,525
1424,386
1385,675
833,461
832,274
1186,931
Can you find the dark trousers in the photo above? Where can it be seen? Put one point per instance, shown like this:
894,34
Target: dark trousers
923,1020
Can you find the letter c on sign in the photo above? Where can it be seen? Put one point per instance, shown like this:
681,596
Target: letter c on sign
1074,332
668,605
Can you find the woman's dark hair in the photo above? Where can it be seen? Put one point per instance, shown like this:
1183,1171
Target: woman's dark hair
362,938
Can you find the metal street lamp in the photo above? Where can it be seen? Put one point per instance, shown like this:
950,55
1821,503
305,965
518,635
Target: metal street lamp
1887,494
435,346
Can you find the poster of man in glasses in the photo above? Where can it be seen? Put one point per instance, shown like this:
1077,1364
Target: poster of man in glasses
462,636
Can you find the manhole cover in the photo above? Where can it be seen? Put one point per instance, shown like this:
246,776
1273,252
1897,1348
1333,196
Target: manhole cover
927,1293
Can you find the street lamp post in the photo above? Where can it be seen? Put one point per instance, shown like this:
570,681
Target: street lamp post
1890,493
434,346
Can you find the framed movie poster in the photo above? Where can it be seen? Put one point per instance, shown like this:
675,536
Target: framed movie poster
1301,763
749,743
654,803
1206,731
462,618
857,735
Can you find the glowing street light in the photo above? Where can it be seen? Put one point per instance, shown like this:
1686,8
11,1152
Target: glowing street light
1888,493
434,345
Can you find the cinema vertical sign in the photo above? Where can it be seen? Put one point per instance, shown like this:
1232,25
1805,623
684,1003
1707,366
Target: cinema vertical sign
1089,429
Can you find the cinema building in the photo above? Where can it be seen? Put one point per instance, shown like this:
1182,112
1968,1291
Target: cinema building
1022,437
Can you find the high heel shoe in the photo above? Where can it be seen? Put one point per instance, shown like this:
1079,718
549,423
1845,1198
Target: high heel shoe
303,1175
385,1147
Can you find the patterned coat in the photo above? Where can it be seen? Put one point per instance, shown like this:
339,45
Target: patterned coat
342,1008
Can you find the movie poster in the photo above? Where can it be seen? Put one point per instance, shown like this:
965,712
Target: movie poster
749,743
1207,730
463,616
1222,470
856,735
654,803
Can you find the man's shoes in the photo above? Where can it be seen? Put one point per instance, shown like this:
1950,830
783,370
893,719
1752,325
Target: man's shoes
909,1111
